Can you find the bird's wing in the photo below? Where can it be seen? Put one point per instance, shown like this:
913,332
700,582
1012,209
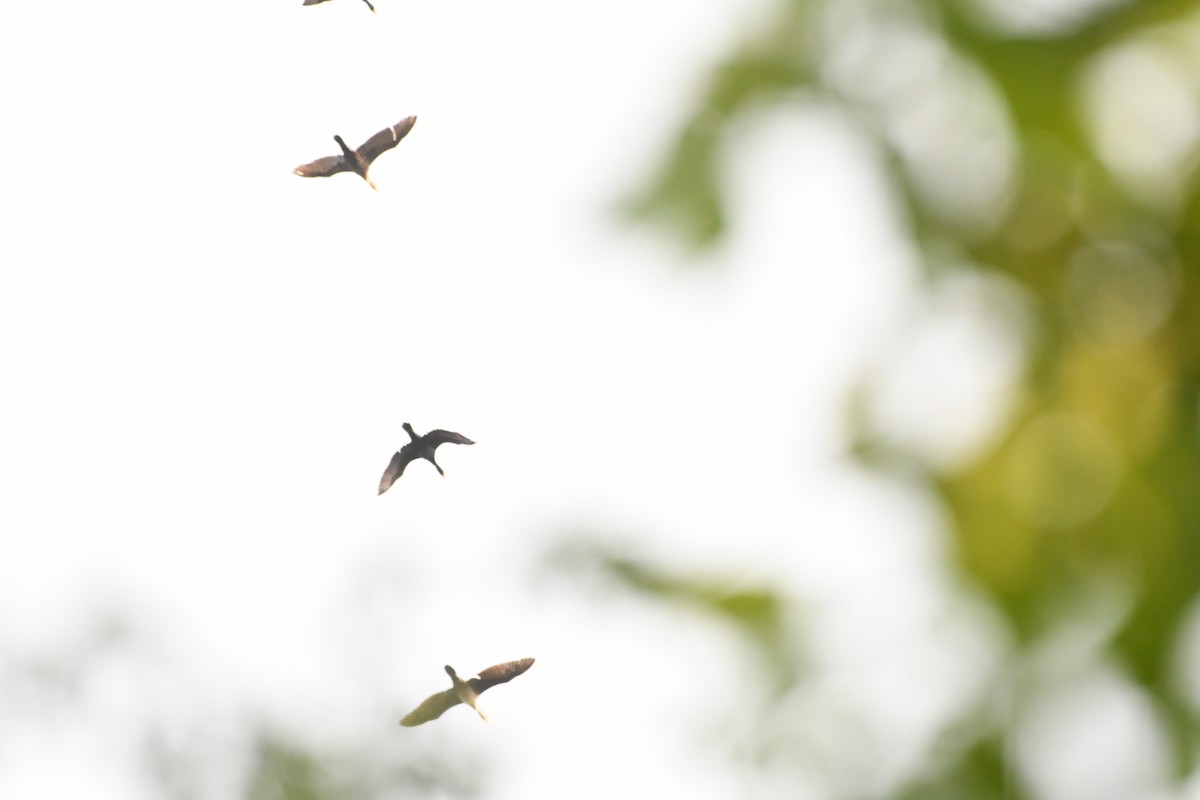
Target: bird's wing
433,707
395,468
312,2
435,438
386,139
501,673
329,165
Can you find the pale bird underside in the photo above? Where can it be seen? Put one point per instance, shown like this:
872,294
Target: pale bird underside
436,705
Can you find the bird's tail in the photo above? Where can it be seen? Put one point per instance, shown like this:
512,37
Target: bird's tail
482,715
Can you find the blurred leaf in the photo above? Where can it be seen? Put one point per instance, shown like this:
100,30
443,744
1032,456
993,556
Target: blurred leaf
286,770
1094,475
759,614
982,771
283,772
686,194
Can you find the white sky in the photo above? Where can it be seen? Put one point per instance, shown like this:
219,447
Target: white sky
207,361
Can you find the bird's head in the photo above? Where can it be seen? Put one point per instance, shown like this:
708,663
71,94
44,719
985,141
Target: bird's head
408,429
450,671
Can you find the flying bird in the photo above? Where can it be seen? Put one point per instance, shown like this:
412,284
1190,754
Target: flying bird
358,161
466,692
419,447
314,2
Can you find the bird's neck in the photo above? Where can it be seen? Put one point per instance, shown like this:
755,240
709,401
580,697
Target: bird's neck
464,691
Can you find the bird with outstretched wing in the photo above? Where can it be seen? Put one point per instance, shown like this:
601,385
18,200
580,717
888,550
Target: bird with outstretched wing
420,447
358,161
466,692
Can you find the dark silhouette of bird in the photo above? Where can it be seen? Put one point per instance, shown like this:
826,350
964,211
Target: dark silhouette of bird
314,2
466,692
358,161
419,447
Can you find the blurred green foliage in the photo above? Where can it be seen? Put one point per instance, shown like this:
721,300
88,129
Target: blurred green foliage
285,769
191,743
687,191
1058,151
762,615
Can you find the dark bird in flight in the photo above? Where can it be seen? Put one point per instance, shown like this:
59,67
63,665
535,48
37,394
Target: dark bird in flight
314,2
419,447
466,692
358,161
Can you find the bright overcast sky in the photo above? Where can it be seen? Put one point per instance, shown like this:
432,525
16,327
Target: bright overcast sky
207,361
